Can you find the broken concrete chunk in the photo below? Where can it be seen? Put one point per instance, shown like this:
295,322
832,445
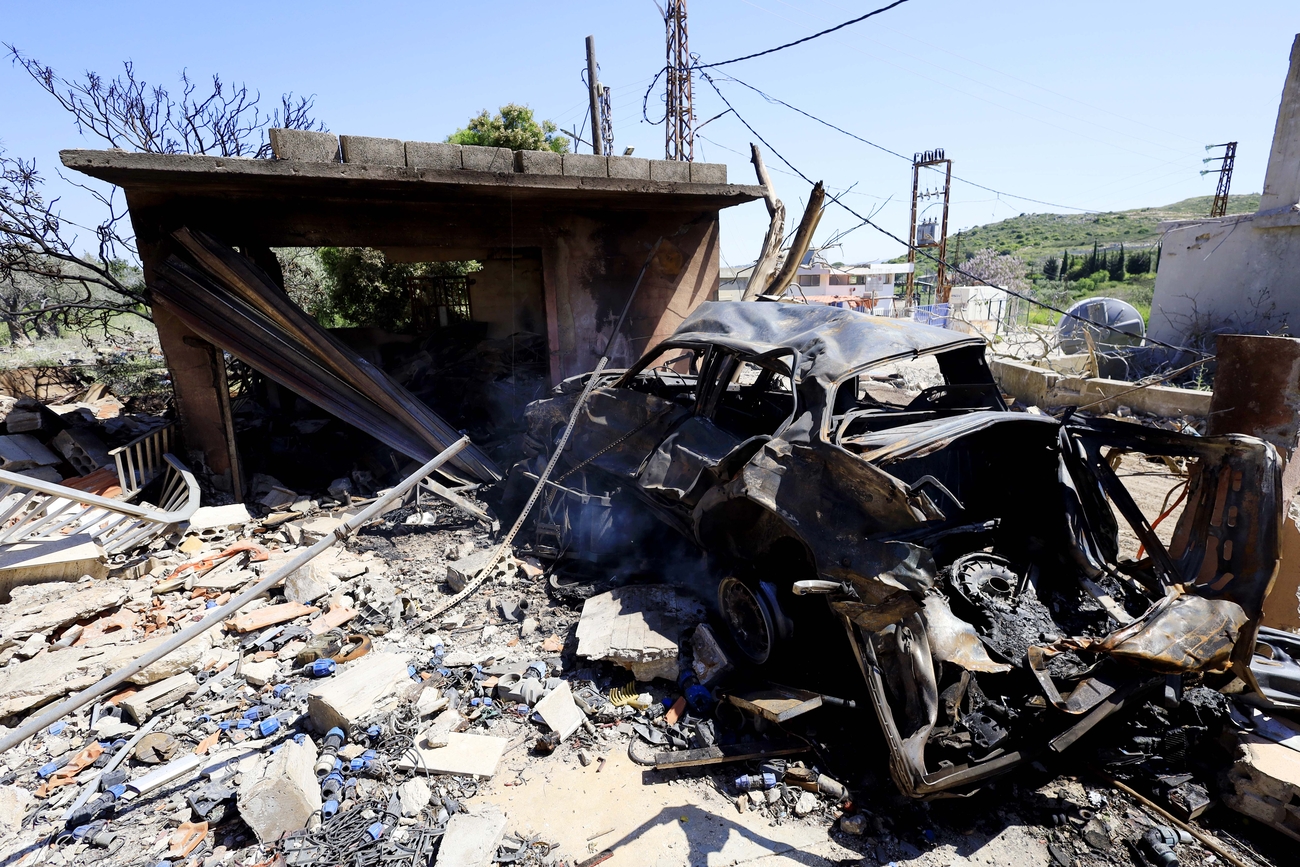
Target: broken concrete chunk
66,559
1264,783
219,517
471,755
637,628
145,703
471,841
710,660
46,607
56,673
431,701
412,797
42,474
461,572
23,452
318,528
14,803
559,712
350,696
282,793
443,725
310,582
259,674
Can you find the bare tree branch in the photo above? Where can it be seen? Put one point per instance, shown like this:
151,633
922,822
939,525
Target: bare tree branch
46,284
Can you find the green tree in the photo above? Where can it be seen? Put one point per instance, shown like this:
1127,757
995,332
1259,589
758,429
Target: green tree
1115,265
1049,268
366,289
513,127
1138,263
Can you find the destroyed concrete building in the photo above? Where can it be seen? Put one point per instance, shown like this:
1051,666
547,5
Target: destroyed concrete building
1239,273
561,237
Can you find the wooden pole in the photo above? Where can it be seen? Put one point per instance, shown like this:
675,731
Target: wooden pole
775,231
593,88
812,215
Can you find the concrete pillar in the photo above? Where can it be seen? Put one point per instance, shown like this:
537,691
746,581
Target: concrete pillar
202,394
1282,179
1257,392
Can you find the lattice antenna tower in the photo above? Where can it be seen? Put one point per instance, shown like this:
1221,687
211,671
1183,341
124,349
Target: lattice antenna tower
1228,157
679,119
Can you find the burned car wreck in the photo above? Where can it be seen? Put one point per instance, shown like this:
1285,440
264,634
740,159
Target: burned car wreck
970,553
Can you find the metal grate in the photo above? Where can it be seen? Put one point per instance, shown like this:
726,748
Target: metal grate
437,302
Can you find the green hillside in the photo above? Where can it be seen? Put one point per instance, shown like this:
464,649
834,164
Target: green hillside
1035,236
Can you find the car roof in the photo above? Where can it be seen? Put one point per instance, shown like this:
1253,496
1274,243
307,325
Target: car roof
833,340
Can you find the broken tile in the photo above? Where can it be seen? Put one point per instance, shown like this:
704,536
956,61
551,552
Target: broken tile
472,755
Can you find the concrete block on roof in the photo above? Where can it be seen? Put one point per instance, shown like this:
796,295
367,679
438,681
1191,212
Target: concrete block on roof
586,166
437,155
480,159
708,173
670,171
373,151
305,145
632,168
539,162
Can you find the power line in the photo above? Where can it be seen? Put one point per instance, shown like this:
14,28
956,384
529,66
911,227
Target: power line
894,153
806,38
866,221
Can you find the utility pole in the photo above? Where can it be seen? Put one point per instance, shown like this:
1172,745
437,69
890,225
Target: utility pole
679,116
1228,157
593,91
924,234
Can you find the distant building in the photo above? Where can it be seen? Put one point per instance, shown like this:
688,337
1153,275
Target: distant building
868,286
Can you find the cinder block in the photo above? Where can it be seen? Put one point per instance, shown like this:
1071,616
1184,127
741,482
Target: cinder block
438,155
632,168
670,171
305,145
708,173
539,162
373,151
480,159
586,166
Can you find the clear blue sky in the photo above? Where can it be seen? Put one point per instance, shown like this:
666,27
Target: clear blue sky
1099,105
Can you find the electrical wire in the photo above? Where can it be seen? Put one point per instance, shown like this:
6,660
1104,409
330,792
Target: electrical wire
894,153
922,251
806,38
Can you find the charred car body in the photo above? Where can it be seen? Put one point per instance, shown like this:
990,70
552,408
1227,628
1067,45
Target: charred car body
970,553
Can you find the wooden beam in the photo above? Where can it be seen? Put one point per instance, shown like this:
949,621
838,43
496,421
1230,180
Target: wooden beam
775,231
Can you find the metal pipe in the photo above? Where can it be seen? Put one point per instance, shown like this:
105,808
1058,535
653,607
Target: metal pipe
217,615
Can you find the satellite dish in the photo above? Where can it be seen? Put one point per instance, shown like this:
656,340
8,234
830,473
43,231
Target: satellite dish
1126,327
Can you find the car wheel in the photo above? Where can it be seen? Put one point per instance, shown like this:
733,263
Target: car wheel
750,617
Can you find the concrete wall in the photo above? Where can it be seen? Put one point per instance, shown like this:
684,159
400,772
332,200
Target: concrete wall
1239,273
590,267
508,295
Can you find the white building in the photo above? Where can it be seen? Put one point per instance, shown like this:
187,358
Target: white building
869,286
